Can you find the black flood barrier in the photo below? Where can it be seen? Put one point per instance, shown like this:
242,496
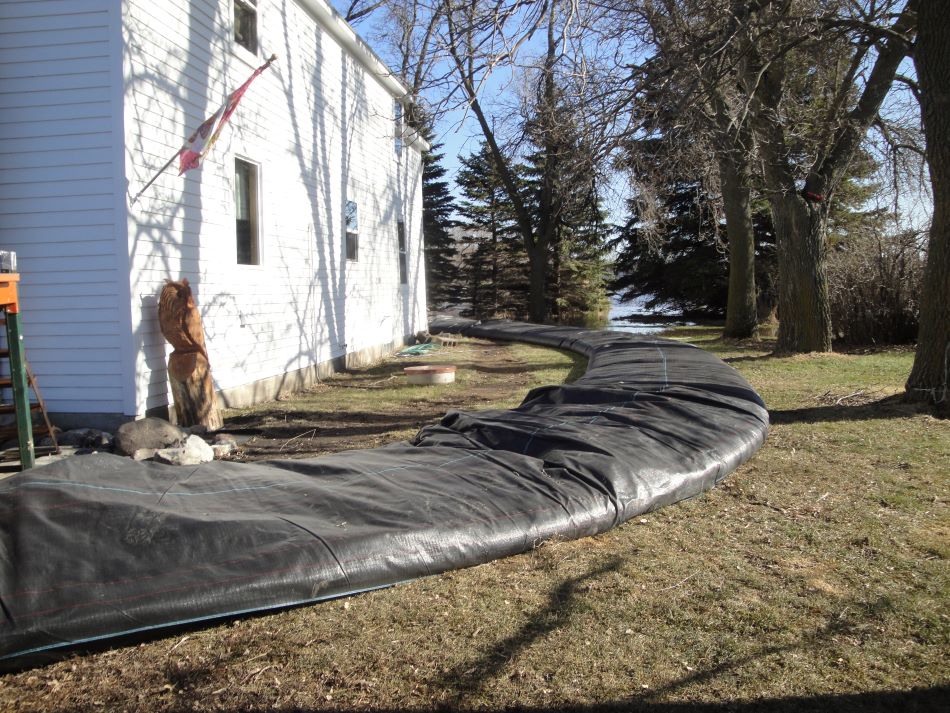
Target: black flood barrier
97,547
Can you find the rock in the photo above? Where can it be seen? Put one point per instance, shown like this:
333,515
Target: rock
144,453
147,433
222,450
193,452
225,439
84,438
48,441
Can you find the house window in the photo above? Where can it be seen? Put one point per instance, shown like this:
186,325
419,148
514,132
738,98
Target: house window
245,24
403,263
246,213
352,231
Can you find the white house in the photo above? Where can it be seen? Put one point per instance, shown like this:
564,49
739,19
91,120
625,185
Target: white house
300,233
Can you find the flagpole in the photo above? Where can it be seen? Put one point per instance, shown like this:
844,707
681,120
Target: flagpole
170,161
155,177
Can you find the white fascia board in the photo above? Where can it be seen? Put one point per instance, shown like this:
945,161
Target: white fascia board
334,23
339,28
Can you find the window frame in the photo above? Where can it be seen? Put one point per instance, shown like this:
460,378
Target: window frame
254,201
402,248
253,8
351,231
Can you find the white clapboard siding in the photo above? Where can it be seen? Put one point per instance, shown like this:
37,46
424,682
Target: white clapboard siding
95,96
58,176
320,127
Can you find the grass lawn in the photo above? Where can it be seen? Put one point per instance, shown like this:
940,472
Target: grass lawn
815,577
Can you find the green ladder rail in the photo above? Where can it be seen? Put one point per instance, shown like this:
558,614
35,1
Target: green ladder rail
10,304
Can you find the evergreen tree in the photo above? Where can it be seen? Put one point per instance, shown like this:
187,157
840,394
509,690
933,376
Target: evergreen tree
688,270
438,206
494,267
562,182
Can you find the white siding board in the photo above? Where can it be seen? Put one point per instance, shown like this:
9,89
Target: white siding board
56,38
86,361
42,23
77,65
54,189
52,218
69,204
88,400
35,175
55,97
68,112
73,80
86,48
41,8
72,149
52,127
57,195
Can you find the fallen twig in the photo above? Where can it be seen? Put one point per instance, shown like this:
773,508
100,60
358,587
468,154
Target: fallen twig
254,674
681,582
312,432
179,644
371,385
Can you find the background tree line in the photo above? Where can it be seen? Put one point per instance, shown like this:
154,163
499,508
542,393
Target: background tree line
753,135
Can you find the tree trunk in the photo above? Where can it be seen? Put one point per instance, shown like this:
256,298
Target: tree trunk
931,370
740,306
538,268
803,309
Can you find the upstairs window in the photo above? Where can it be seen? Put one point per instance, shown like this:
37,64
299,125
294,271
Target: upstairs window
245,24
246,212
352,227
403,262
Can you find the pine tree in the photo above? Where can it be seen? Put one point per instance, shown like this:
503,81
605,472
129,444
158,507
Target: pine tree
578,232
688,270
438,207
494,269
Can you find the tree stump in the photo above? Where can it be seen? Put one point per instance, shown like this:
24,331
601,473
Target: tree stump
189,371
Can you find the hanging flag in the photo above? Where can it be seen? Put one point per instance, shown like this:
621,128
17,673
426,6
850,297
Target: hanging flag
204,138
200,142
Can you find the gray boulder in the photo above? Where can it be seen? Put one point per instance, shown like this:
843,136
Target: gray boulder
147,433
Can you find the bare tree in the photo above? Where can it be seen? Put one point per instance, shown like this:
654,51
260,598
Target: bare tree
691,82
477,39
771,32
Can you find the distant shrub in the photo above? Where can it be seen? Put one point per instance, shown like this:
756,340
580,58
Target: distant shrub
874,282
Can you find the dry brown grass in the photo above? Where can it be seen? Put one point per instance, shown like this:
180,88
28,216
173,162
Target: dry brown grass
815,578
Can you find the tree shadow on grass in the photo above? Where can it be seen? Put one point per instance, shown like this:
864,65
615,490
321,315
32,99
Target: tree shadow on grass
889,407
470,676
916,700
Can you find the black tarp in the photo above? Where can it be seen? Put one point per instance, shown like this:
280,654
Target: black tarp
95,547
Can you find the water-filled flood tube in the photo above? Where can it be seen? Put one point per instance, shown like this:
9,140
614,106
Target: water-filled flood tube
98,547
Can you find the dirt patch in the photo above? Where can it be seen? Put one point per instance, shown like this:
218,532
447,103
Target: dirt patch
368,408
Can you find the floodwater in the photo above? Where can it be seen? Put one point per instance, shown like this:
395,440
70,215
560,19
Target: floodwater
619,310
